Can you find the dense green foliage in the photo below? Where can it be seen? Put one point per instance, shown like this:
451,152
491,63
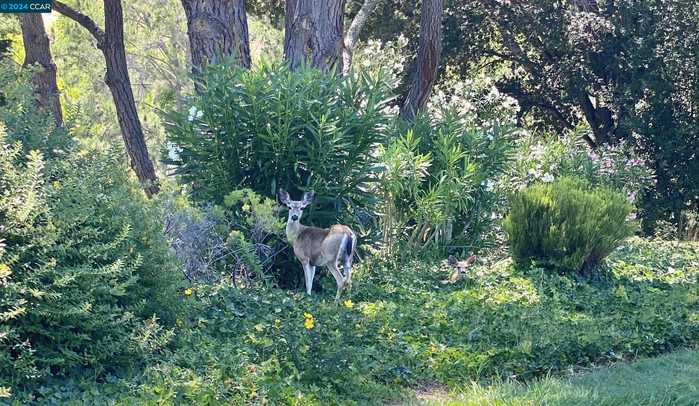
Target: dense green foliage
626,70
616,167
567,224
277,129
82,282
437,189
107,297
22,122
402,327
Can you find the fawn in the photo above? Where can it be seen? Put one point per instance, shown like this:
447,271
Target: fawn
459,268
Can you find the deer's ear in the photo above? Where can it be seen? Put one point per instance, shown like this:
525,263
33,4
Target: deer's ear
308,198
451,260
283,197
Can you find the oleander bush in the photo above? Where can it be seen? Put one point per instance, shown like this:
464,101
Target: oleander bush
271,128
542,158
567,223
437,188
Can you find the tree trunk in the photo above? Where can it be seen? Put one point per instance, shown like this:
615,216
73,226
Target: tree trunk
314,34
600,120
217,28
429,53
119,83
37,51
355,28
111,43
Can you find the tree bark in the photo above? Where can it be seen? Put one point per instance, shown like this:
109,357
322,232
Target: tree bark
352,35
600,120
37,50
111,43
429,53
217,28
313,34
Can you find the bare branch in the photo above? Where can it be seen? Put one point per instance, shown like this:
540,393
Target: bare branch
353,31
82,19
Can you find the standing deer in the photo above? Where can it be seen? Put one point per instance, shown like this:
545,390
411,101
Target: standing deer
315,246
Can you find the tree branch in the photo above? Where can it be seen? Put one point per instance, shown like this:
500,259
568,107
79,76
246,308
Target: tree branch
82,19
352,34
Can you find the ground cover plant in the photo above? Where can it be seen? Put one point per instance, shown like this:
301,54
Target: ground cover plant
402,328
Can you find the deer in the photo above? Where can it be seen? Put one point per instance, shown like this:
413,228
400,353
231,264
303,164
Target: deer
315,247
459,268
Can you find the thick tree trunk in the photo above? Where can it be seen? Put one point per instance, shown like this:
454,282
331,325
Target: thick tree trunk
314,34
37,51
600,120
352,35
429,53
217,28
111,43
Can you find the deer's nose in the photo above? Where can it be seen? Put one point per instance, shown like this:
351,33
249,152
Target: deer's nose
294,217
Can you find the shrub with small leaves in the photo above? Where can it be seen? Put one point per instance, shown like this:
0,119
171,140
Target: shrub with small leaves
83,265
567,223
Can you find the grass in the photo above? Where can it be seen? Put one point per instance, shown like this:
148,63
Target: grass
666,380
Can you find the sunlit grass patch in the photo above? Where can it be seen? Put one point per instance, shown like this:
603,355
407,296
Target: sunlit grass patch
666,380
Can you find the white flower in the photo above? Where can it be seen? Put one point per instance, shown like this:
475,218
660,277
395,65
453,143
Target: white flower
194,113
547,177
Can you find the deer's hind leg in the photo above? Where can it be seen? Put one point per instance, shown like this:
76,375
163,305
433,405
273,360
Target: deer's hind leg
347,265
338,278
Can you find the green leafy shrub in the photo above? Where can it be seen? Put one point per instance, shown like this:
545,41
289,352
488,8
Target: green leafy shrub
269,127
35,128
567,223
438,184
85,267
403,328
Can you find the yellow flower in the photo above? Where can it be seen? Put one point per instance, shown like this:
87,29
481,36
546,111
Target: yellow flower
348,304
309,323
188,292
179,323
5,271
56,184
5,392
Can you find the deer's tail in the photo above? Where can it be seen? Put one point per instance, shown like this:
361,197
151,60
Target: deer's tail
350,244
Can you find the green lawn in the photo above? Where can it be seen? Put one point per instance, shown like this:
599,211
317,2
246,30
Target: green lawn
666,380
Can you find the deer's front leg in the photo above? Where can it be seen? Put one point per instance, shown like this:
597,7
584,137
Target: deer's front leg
309,272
